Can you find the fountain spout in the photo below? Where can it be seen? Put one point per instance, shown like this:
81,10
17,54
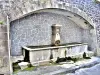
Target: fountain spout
56,34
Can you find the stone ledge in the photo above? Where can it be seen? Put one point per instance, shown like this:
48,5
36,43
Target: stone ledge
16,58
54,47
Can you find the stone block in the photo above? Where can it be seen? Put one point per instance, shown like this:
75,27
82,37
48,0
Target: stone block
5,61
1,62
3,36
3,28
3,48
46,62
55,53
3,51
5,71
54,59
3,43
98,52
62,52
17,58
41,55
23,65
90,53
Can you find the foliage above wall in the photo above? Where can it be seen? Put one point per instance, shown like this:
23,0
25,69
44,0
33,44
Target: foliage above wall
97,1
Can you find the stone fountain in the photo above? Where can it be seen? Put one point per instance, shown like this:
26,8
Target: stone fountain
38,55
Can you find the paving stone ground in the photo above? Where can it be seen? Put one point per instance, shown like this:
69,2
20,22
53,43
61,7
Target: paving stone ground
80,68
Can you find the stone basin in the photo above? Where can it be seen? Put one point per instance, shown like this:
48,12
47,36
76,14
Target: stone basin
39,54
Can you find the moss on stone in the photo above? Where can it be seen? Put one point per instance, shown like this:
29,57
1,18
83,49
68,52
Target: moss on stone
68,59
16,68
29,68
16,71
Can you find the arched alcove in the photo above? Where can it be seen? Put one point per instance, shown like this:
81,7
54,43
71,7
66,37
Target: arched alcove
35,29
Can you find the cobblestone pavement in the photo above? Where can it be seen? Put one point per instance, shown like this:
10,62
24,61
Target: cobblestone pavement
41,70
88,67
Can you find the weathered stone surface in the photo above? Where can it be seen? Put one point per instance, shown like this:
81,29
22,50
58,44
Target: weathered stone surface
3,28
36,30
4,65
3,43
4,55
42,55
23,65
3,35
1,62
21,7
39,56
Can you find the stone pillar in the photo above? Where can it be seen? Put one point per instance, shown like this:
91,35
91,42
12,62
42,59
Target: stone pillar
4,54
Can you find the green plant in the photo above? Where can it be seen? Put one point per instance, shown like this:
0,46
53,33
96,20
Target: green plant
96,1
75,59
1,22
16,67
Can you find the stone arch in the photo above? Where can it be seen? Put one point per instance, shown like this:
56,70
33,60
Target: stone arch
69,8
66,6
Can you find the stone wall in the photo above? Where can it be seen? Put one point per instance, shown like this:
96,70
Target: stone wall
21,7
90,7
36,30
17,8
4,53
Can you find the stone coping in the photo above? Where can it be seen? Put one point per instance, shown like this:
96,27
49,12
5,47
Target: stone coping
52,47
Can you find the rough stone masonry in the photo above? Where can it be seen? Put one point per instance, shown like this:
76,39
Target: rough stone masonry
17,8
